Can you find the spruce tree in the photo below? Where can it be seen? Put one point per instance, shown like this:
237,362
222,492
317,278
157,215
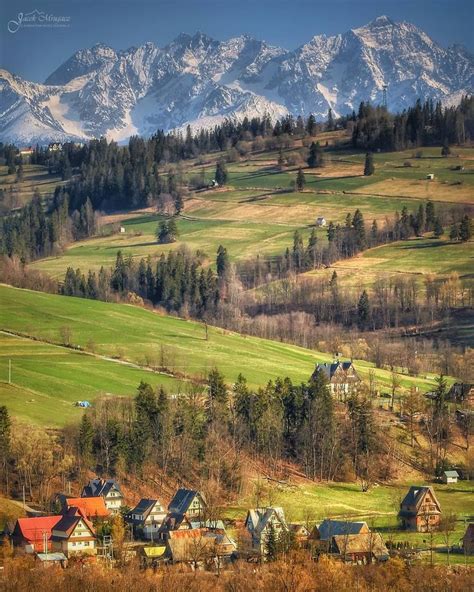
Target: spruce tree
222,262
465,229
438,229
316,155
330,122
221,173
300,180
363,310
271,544
369,168
454,233
311,125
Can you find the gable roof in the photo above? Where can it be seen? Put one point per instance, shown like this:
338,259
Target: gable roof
34,529
182,500
144,509
173,521
330,369
69,521
100,487
451,473
370,542
330,528
92,507
415,497
259,518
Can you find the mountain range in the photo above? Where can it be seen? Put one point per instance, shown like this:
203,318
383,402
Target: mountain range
200,81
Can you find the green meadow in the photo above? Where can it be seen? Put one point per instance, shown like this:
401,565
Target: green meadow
258,211
138,336
47,380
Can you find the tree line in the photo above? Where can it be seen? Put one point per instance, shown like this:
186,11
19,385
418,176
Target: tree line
177,282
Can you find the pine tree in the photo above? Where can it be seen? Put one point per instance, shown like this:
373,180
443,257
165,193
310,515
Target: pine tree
369,168
454,233
311,125
465,230
359,228
173,233
430,216
316,155
298,250
438,229
221,173
222,262
445,150
86,439
300,180
363,310
312,247
271,544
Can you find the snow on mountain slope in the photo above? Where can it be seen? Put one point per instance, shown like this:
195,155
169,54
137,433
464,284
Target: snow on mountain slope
199,81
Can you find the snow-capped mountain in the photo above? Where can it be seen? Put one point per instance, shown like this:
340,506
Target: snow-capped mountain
199,81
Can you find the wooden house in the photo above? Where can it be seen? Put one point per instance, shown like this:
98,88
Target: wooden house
146,518
468,540
74,534
321,535
189,502
109,489
342,378
34,534
260,522
359,548
420,510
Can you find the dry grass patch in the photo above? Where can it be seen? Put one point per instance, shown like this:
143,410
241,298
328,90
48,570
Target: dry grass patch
421,189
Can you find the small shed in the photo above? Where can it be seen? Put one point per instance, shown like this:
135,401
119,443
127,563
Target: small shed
122,230
450,477
430,176
321,221
52,558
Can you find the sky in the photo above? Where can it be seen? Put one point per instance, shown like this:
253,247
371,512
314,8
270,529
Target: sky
34,52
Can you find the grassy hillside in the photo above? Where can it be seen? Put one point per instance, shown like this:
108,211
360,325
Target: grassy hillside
35,177
136,335
259,211
378,506
47,380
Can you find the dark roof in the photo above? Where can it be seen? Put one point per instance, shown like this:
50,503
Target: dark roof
415,495
70,520
144,508
330,528
100,487
182,500
329,369
173,521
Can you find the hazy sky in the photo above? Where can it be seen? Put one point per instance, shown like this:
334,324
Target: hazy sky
34,52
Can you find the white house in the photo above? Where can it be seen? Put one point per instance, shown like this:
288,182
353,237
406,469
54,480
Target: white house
430,176
109,489
450,477
321,221
74,534
147,516
122,230
259,523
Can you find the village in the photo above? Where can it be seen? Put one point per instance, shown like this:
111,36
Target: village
185,532
102,525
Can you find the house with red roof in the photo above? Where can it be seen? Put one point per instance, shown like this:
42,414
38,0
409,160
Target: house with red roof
92,507
34,534
74,534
